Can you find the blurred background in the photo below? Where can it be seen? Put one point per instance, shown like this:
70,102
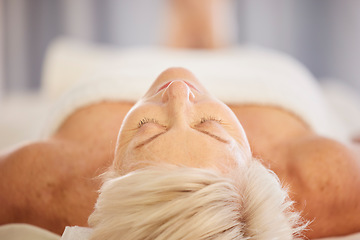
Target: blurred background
322,34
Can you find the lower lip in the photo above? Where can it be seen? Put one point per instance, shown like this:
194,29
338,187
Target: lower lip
168,83
164,86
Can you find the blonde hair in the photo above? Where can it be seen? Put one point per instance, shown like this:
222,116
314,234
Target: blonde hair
173,203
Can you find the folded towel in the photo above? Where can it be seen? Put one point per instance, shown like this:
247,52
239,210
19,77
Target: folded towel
242,75
20,231
76,233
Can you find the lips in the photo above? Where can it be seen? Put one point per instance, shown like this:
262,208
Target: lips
164,86
191,86
168,83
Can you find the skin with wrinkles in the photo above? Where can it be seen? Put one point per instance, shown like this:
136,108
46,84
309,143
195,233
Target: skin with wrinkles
53,183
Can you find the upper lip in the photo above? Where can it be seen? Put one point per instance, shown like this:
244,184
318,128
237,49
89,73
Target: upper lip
168,83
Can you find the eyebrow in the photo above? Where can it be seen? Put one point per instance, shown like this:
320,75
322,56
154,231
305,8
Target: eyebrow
148,140
202,131
213,136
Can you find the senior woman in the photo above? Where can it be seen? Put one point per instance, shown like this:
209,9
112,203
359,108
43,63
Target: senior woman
186,166
184,158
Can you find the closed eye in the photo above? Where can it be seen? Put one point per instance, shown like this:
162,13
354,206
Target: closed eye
209,118
202,120
146,120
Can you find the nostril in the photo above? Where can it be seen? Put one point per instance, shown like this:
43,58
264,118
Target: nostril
178,90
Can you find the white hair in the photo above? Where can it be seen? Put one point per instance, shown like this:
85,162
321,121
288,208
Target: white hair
173,203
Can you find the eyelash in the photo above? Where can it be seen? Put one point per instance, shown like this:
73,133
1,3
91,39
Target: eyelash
210,118
146,120
153,120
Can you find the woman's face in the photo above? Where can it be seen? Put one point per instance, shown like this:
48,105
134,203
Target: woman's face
179,122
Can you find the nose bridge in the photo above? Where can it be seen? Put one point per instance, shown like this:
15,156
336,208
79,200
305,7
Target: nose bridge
179,99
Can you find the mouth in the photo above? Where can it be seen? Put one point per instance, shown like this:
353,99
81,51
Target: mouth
168,83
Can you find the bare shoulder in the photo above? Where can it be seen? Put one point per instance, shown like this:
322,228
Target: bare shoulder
331,159
325,182
53,183
19,177
96,124
41,181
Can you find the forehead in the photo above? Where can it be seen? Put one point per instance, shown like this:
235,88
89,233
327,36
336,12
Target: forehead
190,149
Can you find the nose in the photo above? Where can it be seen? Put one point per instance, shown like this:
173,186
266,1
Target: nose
178,93
179,99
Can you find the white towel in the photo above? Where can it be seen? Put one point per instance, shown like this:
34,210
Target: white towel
243,74
76,233
21,231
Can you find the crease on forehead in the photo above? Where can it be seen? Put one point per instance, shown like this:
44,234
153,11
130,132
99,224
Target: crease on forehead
150,139
189,154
